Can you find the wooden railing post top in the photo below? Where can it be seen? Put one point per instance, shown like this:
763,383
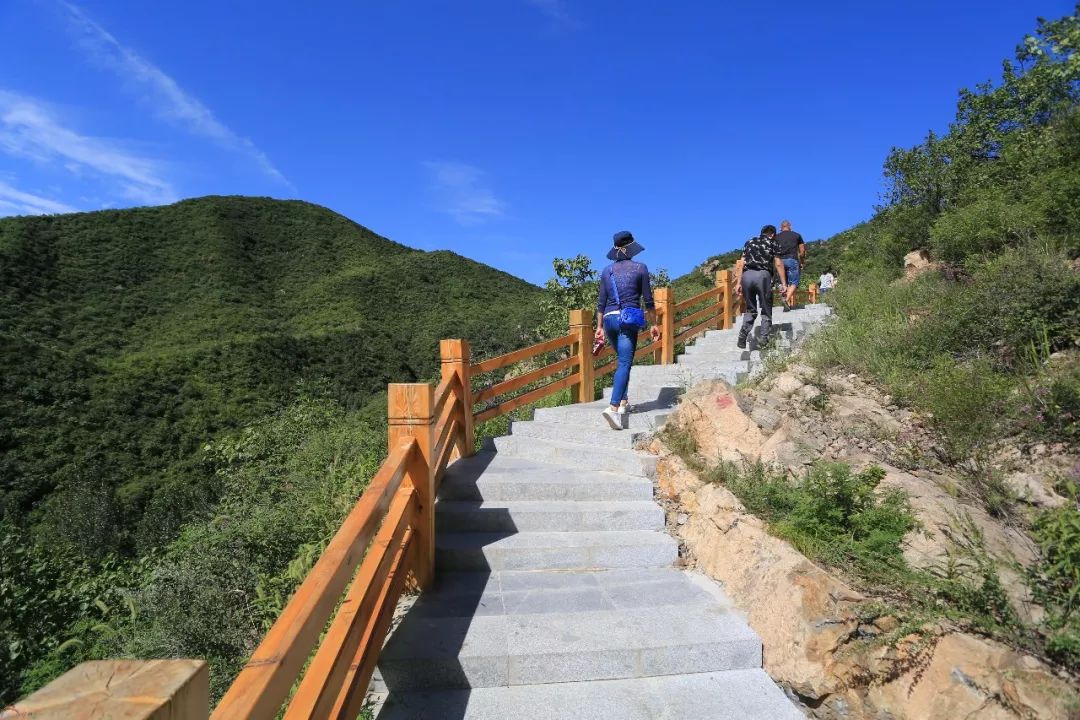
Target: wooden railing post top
133,689
662,295
580,318
410,403
454,350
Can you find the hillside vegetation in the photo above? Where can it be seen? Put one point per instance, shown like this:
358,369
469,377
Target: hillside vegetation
191,396
984,342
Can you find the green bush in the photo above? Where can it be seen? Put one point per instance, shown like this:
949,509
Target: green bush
988,224
969,403
831,514
1055,578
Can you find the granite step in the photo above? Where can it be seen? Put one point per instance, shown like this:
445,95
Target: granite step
453,516
554,550
579,455
481,651
493,477
731,695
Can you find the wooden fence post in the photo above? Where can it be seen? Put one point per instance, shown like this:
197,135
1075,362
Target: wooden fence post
455,361
581,327
813,293
665,310
724,280
130,689
410,414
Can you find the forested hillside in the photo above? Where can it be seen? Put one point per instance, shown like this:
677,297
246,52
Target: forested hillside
195,384
984,342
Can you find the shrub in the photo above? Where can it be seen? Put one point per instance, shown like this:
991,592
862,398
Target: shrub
1055,578
986,225
832,514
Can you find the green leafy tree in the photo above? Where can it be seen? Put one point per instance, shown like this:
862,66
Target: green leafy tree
572,288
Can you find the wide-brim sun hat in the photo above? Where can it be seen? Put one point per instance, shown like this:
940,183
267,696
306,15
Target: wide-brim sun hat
624,246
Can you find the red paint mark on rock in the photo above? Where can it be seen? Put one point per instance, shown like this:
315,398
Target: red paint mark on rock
724,401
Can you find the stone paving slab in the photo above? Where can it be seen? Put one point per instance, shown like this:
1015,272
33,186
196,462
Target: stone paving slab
554,551
547,516
731,695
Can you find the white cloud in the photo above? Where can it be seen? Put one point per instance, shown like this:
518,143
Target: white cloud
168,98
557,11
29,129
463,194
17,202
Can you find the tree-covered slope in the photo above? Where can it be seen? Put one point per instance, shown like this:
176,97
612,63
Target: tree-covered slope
131,338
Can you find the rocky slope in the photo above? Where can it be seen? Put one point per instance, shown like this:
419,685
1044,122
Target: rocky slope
828,642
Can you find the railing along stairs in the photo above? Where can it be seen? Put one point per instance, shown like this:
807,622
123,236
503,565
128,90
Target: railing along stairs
304,668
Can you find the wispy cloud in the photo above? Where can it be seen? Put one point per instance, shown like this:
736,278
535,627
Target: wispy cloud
462,192
29,129
169,100
17,202
557,11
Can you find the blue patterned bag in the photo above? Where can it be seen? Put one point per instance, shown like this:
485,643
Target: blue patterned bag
629,317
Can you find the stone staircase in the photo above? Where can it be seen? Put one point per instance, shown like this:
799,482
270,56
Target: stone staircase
556,595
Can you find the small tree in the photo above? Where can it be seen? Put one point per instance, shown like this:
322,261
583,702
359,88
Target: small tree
572,288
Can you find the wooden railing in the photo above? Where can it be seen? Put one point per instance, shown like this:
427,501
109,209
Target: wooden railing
304,669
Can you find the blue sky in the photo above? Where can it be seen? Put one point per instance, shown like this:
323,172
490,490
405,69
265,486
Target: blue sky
510,131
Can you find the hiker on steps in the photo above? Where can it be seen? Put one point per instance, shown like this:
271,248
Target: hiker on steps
753,279
793,255
625,308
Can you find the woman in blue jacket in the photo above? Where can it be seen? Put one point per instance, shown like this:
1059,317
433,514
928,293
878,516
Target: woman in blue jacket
625,295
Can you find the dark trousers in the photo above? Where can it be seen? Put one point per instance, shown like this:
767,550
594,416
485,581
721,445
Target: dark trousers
757,289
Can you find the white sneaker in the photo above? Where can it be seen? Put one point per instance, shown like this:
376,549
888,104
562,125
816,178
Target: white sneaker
614,418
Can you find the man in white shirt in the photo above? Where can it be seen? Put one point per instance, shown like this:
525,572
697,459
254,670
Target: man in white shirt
827,281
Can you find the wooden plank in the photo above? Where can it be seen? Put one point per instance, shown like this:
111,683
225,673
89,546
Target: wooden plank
707,312
447,390
326,674
454,356
526,398
449,412
699,298
646,350
581,326
522,380
443,452
696,330
264,683
606,368
523,354
607,352
121,690
665,311
353,691
408,415
445,437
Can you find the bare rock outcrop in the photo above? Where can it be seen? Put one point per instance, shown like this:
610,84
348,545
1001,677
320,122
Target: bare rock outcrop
824,640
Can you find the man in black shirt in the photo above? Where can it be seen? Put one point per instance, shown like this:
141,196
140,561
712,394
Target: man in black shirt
793,255
753,277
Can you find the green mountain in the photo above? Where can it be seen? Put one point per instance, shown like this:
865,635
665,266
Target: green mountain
129,339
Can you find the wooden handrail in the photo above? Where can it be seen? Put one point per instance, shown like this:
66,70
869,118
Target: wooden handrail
426,427
264,683
706,312
522,380
692,332
523,354
607,367
697,299
446,389
445,448
525,398
647,349
324,678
